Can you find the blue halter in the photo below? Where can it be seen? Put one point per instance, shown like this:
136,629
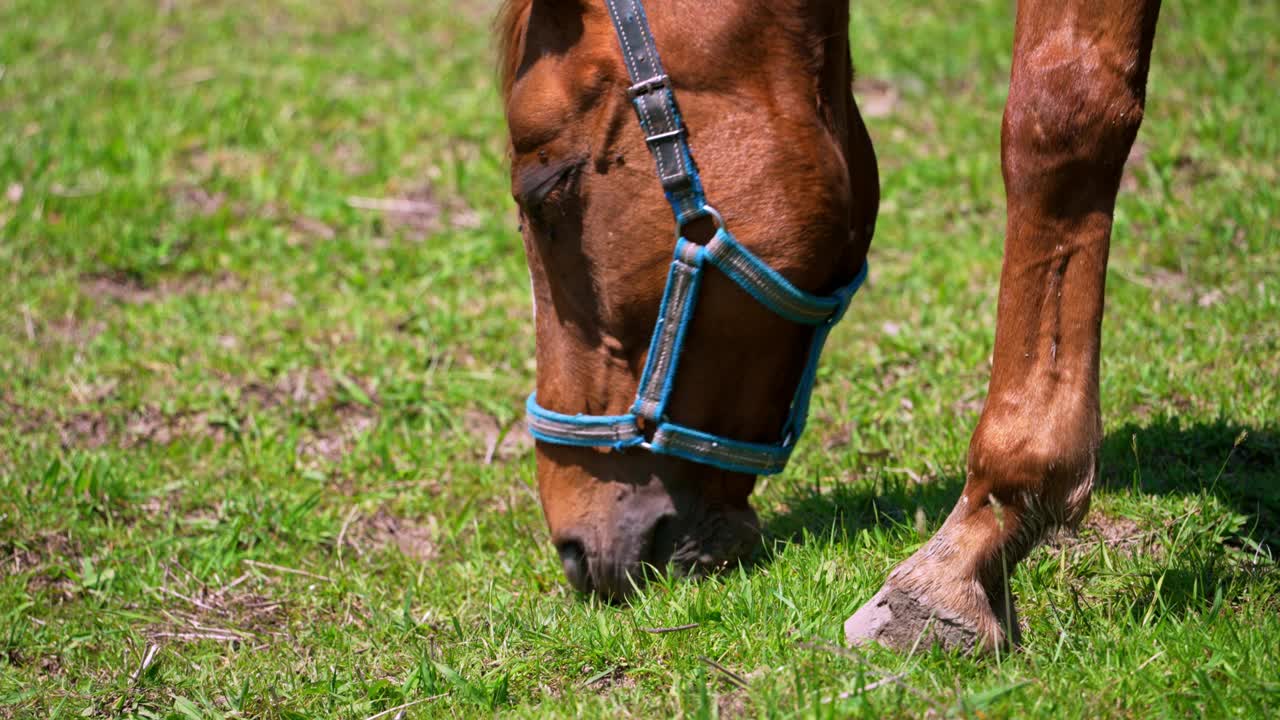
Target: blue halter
655,106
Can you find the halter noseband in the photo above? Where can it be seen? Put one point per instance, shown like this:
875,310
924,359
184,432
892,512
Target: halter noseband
655,106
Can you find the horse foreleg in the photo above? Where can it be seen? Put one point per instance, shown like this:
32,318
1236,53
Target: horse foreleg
1075,102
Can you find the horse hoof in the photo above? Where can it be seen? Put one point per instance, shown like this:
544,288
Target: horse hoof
904,620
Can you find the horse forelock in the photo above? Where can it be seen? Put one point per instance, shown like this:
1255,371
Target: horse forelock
509,31
809,24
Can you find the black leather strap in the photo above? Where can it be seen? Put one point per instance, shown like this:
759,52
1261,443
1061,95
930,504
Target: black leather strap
655,106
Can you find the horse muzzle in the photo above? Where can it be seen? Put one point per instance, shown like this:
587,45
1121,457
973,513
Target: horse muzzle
649,534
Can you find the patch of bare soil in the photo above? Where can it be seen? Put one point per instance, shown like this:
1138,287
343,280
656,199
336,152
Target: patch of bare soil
617,679
310,228
226,161
335,442
1117,532
69,330
309,390
301,230
419,212
234,612
500,441
383,529
85,430
132,289
47,556
152,426
348,157
23,556
345,408
1120,535
306,388
733,704
146,426
875,97
195,200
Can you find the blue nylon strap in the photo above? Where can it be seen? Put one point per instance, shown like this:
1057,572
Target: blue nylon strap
665,134
655,106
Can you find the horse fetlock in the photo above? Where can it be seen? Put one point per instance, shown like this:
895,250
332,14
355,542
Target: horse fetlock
1035,479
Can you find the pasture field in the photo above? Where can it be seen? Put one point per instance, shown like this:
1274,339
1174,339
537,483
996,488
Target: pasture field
265,338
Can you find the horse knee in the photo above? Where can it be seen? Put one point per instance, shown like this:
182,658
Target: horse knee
1069,124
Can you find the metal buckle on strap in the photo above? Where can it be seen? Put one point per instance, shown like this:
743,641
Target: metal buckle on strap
651,139
645,87
704,211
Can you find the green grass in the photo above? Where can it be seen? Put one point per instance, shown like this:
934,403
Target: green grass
247,429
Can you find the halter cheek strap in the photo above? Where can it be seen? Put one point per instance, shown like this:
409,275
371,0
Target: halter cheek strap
659,118
655,106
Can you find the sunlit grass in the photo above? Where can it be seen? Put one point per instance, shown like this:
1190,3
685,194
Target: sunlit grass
257,452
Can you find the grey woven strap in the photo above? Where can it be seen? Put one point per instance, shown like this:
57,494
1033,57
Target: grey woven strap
766,285
676,440
655,106
596,433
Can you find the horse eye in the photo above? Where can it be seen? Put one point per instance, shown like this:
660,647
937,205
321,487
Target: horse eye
541,185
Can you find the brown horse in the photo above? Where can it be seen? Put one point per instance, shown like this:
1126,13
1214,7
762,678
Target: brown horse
765,94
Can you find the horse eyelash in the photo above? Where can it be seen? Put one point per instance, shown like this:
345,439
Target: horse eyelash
543,182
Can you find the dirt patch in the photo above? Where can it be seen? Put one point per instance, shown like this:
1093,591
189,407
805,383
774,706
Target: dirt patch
225,161
348,157
25,556
419,212
152,426
500,441
69,330
616,679
733,704
345,408
234,612
334,443
122,287
47,557
1117,532
1120,535
875,97
300,230
305,228
146,426
1137,159
132,289
303,388
195,200
383,530
85,430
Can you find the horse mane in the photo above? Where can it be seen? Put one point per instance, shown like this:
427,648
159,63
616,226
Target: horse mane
509,31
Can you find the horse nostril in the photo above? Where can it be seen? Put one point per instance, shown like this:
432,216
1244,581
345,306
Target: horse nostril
573,558
662,543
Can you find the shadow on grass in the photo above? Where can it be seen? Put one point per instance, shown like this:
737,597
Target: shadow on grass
1240,464
1202,582
1163,456
839,511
